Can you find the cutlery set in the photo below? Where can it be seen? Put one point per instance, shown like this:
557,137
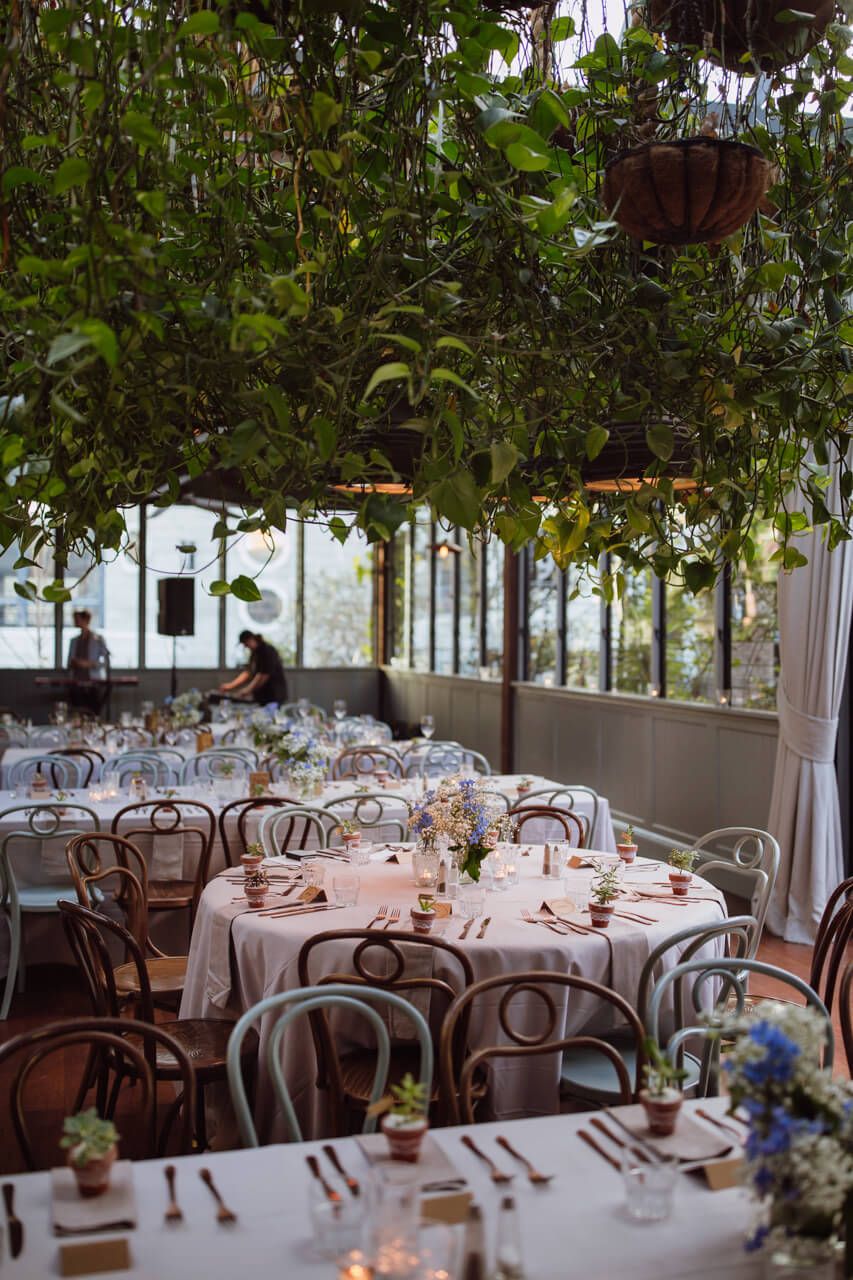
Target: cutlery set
497,1174
174,1214
331,1155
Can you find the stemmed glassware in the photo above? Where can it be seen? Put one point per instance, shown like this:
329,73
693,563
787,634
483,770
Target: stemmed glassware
427,726
339,706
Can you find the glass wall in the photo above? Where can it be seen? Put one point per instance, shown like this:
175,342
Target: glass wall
543,596
469,607
691,624
421,596
494,611
631,635
338,624
446,568
583,634
168,529
27,627
754,626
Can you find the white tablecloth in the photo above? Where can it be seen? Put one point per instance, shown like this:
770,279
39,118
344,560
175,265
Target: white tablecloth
576,1226
265,952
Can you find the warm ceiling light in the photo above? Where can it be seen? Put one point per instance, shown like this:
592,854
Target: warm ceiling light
444,549
632,485
400,489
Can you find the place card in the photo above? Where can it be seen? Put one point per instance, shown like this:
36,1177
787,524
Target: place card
259,778
575,861
442,909
312,893
560,907
722,1174
94,1256
203,740
690,1141
450,1208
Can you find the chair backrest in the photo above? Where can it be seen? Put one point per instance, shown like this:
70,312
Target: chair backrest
169,818
833,936
520,1042
215,763
846,1013
356,1000
712,986
754,853
14,735
126,874
566,798
361,761
393,961
153,764
368,809
736,932
87,757
92,937
63,771
240,811
127,737
451,757
44,736
132,1059
568,823
283,830
35,824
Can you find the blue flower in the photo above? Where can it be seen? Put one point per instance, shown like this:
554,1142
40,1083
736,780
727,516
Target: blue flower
778,1062
756,1240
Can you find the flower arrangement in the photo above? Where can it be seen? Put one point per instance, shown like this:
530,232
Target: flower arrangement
464,812
184,710
306,777
799,1150
268,725
661,1074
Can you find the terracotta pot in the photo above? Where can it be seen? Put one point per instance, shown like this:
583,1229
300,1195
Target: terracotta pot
524,791
627,852
351,839
743,26
680,881
404,1140
600,913
422,921
251,862
93,1178
257,893
381,776
688,191
662,1113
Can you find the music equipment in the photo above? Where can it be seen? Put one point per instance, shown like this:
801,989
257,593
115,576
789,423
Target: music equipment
176,600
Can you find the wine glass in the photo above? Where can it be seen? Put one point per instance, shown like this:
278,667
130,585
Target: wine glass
427,726
339,707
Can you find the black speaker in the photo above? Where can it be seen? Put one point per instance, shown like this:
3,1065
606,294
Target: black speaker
176,598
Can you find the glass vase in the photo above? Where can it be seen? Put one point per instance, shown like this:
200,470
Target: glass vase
425,867
803,1258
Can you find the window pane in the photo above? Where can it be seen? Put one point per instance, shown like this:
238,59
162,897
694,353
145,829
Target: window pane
26,627
274,615
445,593
755,640
691,624
494,553
632,634
469,608
401,592
111,594
583,634
338,627
543,579
166,528
420,591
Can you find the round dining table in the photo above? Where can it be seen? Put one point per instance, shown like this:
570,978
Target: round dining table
238,957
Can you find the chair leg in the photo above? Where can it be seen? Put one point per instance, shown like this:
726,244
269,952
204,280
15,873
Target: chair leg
200,1121
14,960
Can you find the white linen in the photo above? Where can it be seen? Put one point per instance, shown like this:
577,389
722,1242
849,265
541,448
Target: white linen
814,604
575,1226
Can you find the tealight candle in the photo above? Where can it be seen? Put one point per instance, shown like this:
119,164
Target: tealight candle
355,1267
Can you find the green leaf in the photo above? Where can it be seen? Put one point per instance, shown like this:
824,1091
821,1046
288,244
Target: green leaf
71,173
457,343
448,375
504,457
660,440
554,218
153,202
699,575
326,111
245,588
65,345
522,157
205,23
56,592
92,96
326,437
19,175
457,497
386,373
219,587
140,128
596,439
327,163
103,339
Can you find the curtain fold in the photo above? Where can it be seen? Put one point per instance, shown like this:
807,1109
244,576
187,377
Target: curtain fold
814,627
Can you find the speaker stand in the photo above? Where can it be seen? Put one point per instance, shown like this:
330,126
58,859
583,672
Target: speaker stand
174,666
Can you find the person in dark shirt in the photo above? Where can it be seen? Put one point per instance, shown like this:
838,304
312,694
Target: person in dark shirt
87,659
263,679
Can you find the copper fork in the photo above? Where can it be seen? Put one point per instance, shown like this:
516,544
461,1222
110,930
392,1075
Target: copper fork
497,1175
223,1213
380,915
534,1175
393,918
173,1213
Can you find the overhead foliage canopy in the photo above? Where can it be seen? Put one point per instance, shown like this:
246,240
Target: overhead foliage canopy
286,250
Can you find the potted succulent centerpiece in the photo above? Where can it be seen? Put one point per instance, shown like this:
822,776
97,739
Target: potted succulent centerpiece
91,1145
681,863
626,848
350,833
662,1097
253,858
256,887
423,915
603,893
405,1121
524,788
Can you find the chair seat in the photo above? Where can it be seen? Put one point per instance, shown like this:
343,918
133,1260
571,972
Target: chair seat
166,895
359,1066
43,897
588,1075
166,974
205,1041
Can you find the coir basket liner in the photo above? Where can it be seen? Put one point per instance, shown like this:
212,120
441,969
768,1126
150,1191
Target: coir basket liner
740,27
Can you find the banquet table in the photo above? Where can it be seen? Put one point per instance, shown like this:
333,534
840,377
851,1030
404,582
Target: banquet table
238,958
576,1225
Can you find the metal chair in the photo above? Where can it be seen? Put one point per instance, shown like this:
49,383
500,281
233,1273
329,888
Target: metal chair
159,766
450,757
187,819
285,832
47,736
207,764
585,1077
315,1001
714,983
125,1060
754,855
241,811
40,822
392,961
566,798
127,738
568,822
368,810
458,1087
65,772
14,735
361,761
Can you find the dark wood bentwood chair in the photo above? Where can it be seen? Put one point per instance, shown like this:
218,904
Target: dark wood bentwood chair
242,811
188,819
568,822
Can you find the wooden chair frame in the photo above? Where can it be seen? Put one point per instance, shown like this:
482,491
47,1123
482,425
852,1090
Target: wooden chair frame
348,763
566,818
169,817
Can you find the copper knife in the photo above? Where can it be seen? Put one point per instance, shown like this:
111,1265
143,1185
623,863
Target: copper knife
16,1227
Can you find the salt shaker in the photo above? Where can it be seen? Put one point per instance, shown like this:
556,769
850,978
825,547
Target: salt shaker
474,1265
508,1263
546,860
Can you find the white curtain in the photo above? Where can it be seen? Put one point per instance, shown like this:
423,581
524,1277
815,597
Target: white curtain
814,629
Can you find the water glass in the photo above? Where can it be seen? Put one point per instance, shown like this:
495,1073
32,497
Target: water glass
559,858
360,852
472,901
427,726
339,707
345,886
313,872
649,1188
393,1213
337,1226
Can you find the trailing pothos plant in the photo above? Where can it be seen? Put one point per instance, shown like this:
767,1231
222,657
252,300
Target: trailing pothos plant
310,257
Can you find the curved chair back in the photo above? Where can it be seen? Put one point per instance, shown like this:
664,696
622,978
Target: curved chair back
719,986
360,762
191,820
159,768
846,1012
368,809
215,762
286,830
754,852
127,872
569,823
87,757
89,933
240,812
519,1042
132,1060
44,737
357,1000
566,798
61,770
451,757
738,932
833,936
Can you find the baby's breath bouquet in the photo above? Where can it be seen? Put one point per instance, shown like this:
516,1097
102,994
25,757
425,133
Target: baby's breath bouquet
184,710
799,1151
463,811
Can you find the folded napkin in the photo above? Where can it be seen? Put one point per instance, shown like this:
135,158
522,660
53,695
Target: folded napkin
73,1215
690,1141
433,1164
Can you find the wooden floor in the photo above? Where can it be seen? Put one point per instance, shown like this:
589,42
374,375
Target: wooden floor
53,991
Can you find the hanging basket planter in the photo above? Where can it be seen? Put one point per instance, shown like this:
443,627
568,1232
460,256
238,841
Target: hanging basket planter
738,28
626,462
689,191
